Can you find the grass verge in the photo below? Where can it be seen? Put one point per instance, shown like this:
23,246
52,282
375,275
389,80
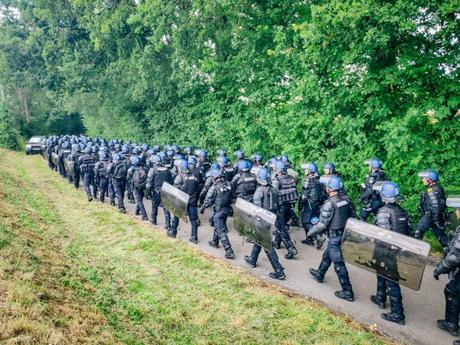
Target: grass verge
82,273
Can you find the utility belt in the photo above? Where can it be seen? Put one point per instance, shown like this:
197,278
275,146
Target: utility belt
335,233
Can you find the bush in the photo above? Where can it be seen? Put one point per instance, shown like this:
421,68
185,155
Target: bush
9,136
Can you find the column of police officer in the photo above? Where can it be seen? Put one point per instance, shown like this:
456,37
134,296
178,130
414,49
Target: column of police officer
324,205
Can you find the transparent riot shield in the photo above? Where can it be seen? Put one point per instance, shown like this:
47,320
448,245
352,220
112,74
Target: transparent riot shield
69,167
254,222
54,158
175,201
293,173
453,201
386,253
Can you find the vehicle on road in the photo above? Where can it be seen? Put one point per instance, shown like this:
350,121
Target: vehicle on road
34,145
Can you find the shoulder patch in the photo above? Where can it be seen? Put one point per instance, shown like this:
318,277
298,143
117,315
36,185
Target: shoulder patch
342,203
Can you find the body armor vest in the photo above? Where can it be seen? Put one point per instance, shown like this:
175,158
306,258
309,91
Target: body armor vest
341,213
247,185
287,190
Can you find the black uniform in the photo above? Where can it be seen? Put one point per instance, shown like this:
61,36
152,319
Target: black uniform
286,186
451,265
391,217
190,184
333,217
119,171
266,197
101,175
86,164
370,199
158,175
137,176
310,201
244,185
432,206
219,198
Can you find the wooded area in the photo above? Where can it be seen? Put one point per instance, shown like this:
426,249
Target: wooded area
319,80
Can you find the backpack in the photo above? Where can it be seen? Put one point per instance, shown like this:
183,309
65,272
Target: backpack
139,177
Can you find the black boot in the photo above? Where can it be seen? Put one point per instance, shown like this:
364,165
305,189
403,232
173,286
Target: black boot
393,317
308,241
213,244
229,254
193,240
380,303
346,295
316,275
277,275
292,251
250,261
448,326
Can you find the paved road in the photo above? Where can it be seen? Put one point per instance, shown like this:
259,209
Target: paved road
422,307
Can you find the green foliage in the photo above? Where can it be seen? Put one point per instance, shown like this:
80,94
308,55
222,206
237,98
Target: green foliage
329,80
9,137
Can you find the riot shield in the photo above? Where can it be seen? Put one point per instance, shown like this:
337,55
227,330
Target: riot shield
54,158
386,253
254,222
453,201
293,173
175,201
69,166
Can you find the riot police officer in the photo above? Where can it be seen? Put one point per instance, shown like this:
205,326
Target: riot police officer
391,217
87,163
432,206
74,156
266,196
370,199
244,183
101,174
333,217
310,199
119,172
187,182
137,174
158,174
286,186
219,198
450,265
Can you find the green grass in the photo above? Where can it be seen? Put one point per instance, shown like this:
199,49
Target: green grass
134,284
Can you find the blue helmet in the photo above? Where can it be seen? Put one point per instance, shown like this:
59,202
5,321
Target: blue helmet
223,160
88,149
280,166
272,161
374,163
330,166
133,160
75,147
221,153
178,156
334,183
314,220
239,154
155,159
202,154
310,167
216,173
243,165
104,156
170,153
430,174
188,150
263,176
156,148
116,157
125,149
162,155
184,165
144,147
136,150
215,166
192,160
257,157
389,192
